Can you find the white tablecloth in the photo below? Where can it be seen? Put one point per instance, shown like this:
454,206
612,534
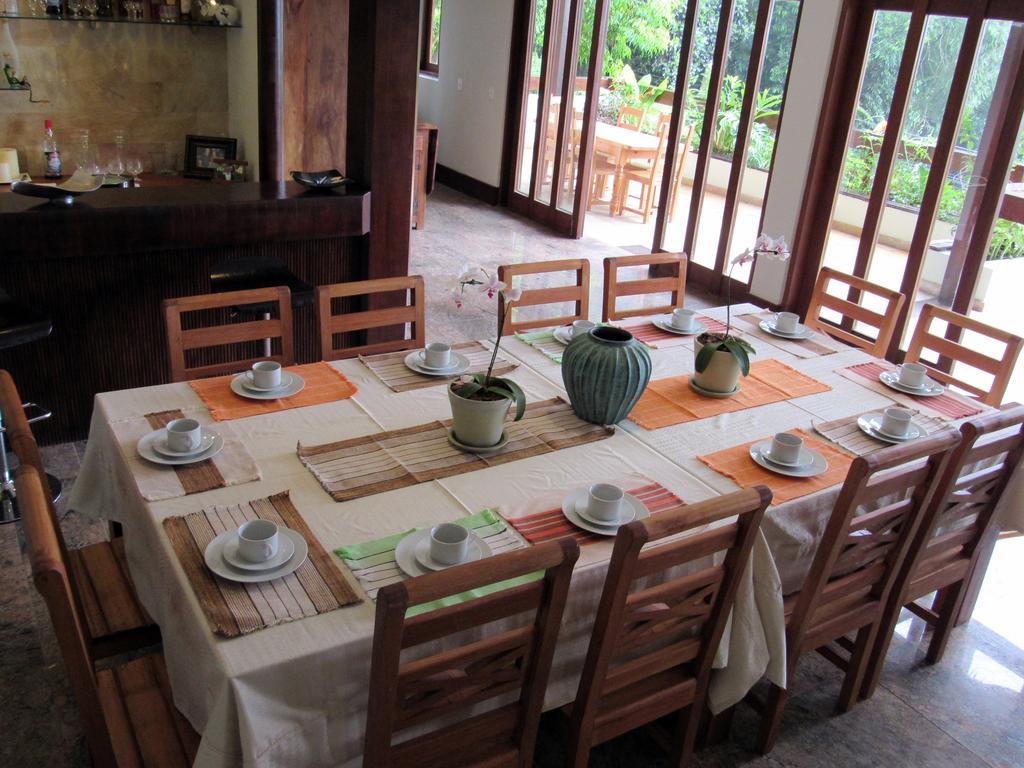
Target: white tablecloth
296,694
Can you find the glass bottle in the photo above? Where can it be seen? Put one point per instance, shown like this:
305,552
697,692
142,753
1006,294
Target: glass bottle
51,153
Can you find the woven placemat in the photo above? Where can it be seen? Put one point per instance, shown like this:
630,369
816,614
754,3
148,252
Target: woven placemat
846,433
391,369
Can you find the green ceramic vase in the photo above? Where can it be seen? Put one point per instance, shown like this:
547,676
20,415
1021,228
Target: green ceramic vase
605,371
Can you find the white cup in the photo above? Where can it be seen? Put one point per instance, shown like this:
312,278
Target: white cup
604,502
437,355
257,540
786,322
896,421
912,375
786,448
265,374
683,319
184,435
449,543
580,327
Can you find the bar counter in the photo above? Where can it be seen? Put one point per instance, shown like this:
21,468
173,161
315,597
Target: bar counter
101,266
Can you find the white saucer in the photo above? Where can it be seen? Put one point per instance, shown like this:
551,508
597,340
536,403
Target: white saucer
627,514
871,424
665,325
484,449
215,561
461,365
206,442
804,460
817,466
405,552
931,387
563,334
572,500
477,550
708,393
296,385
149,453
802,331
286,381
421,361
285,550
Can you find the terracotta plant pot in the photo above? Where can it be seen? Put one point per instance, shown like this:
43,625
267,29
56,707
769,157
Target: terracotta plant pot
478,422
722,374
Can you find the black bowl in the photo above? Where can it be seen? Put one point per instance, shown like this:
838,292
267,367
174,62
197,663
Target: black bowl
320,179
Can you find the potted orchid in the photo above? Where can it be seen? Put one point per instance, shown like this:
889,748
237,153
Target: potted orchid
481,402
721,358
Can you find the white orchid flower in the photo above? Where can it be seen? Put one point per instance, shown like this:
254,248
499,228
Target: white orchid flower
456,296
513,294
744,258
491,286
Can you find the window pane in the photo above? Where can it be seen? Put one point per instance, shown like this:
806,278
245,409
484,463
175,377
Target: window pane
435,33
574,119
532,98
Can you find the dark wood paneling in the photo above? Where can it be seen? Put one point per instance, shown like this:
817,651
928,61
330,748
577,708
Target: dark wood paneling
270,56
315,84
467,185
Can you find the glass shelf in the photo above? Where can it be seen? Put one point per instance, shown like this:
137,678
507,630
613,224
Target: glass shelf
121,20
15,87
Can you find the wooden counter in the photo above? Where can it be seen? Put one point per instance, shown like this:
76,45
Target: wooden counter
101,266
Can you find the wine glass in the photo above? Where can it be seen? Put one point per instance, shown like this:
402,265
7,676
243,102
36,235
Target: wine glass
133,167
75,8
91,7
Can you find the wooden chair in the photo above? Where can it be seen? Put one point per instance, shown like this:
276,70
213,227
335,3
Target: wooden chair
884,320
614,289
601,169
127,711
956,536
648,176
678,174
411,311
655,636
208,361
578,293
116,622
512,664
630,117
856,564
999,368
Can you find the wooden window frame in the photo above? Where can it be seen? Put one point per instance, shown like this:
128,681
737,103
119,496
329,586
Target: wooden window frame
426,29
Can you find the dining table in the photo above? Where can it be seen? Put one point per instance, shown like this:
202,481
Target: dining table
286,684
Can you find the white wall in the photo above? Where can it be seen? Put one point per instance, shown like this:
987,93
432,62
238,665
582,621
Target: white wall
796,136
476,37
243,87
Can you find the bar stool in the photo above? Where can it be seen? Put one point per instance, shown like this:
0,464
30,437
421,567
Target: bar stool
248,272
20,325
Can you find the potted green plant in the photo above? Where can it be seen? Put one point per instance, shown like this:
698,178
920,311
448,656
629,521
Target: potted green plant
480,403
721,358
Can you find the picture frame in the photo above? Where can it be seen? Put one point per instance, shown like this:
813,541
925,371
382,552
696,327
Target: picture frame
202,152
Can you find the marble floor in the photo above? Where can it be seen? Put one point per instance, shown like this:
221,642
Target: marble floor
965,712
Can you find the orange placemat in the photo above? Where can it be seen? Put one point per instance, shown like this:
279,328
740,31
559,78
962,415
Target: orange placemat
736,463
323,385
672,401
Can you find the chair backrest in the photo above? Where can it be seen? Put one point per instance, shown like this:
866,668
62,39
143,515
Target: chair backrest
333,325
962,515
883,320
577,292
511,664
630,117
658,624
51,580
614,289
965,354
195,335
866,539
657,168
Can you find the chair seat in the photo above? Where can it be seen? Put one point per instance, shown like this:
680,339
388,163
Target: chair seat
486,741
603,167
249,273
116,620
20,324
145,727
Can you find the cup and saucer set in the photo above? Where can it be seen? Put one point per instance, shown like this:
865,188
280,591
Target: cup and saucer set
893,425
182,441
786,325
440,547
566,333
785,454
682,322
602,508
267,381
259,550
912,379
437,359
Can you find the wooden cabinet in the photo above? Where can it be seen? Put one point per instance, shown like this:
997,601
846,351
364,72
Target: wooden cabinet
425,165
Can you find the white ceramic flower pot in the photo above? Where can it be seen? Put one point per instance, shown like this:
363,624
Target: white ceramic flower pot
478,422
722,373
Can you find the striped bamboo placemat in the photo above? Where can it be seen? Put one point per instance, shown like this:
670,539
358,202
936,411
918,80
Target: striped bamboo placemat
552,523
655,338
949,405
846,433
234,609
391,369
545,342
372,464
818,346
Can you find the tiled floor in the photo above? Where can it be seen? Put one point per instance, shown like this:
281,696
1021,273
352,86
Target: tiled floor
965,712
